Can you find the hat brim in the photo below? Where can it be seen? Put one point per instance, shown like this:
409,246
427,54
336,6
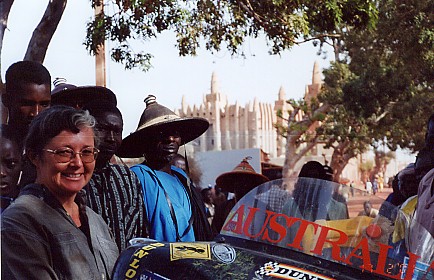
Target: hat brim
85,93
135,144
230,180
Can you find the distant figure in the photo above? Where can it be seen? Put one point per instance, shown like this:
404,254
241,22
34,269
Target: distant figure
314,202
368,186
179,161
219,196
210,207
380,183
352,188
10,166
368,210
240,181
375,186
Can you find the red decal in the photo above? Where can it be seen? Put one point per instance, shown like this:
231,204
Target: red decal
300,233
336,250
250,219
363,246
235,225
281,230
382,261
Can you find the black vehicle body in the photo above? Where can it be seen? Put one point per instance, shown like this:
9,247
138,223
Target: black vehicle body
264,238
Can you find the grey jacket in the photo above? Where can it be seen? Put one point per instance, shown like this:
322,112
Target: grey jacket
40,241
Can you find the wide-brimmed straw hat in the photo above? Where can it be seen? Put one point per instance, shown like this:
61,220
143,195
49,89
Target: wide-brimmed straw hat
242,175
66,94
158,119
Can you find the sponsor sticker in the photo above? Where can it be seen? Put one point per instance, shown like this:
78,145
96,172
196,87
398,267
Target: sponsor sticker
224,253
421,271
189,251
284,271
138,255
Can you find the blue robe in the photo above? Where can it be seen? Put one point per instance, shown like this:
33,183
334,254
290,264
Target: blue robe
157,207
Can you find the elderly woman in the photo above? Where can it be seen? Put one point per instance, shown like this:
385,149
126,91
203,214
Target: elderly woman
48,233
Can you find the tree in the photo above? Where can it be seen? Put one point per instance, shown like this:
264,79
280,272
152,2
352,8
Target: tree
394,66
301,134
342,131
365,169
221,22
382,87
216,22
381,160
42,34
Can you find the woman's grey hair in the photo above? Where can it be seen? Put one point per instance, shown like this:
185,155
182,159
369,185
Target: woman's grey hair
51,122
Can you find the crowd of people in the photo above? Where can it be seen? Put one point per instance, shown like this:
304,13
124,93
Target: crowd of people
68,207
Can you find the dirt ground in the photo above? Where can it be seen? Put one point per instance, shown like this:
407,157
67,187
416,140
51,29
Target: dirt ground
355,204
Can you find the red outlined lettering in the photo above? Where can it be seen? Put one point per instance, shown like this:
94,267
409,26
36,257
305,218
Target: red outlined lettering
276,227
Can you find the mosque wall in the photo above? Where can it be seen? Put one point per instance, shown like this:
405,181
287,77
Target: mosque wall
233,126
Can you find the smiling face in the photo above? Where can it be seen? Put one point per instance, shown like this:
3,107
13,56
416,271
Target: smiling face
64,180
10,167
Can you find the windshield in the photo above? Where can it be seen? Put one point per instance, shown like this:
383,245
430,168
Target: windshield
319,218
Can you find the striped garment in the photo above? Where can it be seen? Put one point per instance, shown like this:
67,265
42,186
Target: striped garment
115,193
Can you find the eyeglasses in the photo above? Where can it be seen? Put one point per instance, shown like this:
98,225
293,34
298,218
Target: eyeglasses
64,155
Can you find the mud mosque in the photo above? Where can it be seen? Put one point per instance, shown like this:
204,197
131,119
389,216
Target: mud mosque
233,126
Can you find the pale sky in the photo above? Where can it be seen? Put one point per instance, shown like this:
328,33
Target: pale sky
260,75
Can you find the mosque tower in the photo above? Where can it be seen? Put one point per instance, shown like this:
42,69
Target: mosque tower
233,126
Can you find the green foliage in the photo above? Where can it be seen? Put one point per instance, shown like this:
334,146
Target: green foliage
393,73
221,23
341,125
366,166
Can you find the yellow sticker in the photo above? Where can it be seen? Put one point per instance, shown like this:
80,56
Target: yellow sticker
189,251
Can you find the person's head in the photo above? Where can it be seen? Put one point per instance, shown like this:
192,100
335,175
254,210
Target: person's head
61,144
179,161
28,86
328,173
367,206
160,133
242,179
424,162
163,146
108,128
10,162
207,195
408,183
77,96
314,169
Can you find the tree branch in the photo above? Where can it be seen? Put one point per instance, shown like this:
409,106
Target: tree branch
5,8
38,45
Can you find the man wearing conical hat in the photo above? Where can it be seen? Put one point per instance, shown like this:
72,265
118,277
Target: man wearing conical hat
240,181
175,210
